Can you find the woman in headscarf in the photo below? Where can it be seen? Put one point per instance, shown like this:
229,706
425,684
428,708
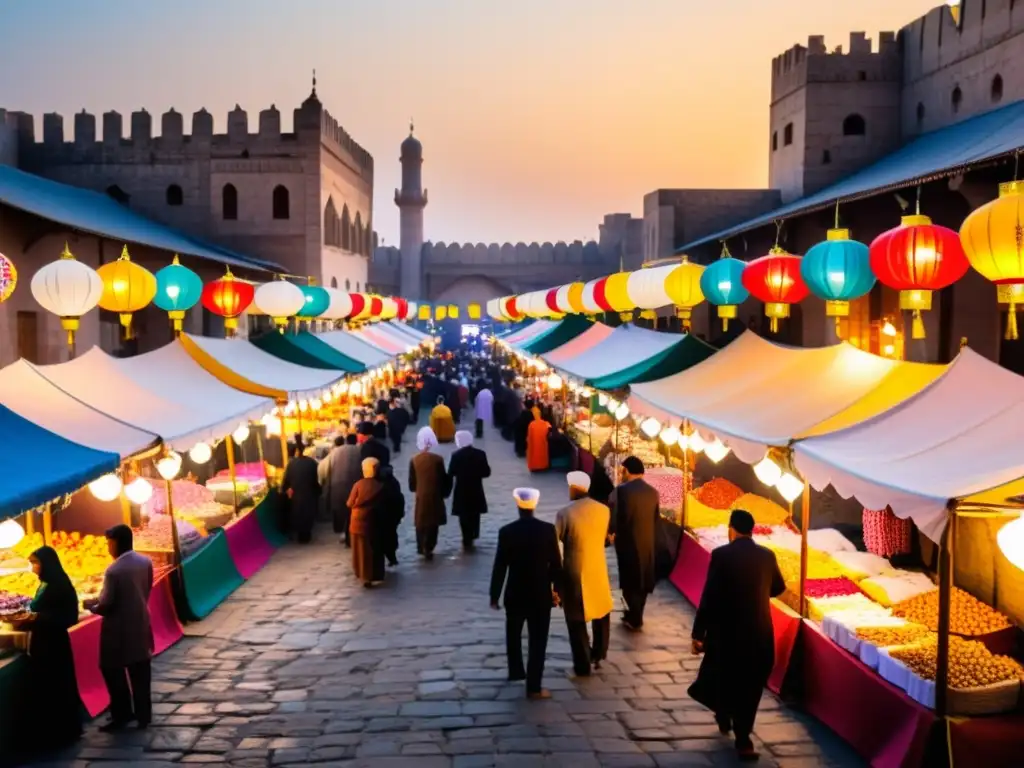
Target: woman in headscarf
441,422
54,688
367,560
302,487
521,428
466,472
429,481
537,455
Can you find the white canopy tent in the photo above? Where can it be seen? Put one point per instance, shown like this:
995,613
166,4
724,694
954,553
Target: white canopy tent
26,391
165,392
394,338
355,347
622,348
380,340
529,333
406,331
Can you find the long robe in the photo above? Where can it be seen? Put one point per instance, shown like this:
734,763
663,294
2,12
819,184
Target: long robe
634,523
537,459
367,559
586,589
337,474
520,428
442,423
301,479
429,480
485,406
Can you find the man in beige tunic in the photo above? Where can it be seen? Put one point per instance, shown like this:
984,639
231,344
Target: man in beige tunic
587,593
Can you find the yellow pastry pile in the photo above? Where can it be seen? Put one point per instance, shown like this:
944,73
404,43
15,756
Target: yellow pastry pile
765,511
967,615
885,637
820,565
971,664
84,558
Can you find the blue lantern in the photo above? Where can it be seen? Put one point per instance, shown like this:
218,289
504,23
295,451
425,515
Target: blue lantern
838,271
317,302
722,285
178,289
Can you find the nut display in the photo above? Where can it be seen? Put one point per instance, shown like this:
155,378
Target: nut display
885,637
968,615
971,664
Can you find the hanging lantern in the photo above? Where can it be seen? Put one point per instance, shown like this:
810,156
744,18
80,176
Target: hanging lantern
722,284
646,289
67,288
423,312
612,294
178,289
574,298
339,307
8,278
280,300
510,306
358,301
441,313
683,288
993,241
315,301
389,308
473,311
453,311
107,487
127,288
838,270
916,258
228,297
588,298
551,299
775,280
402,308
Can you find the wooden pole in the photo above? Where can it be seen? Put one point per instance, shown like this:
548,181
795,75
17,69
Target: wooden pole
30,522
805,523
231,471
687,480
946,547
175,542
126,509
48,525
259,451
284,440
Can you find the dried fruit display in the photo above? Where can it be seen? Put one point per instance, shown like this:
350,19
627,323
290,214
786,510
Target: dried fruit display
764,510
968,615
885,637
971,664
718,493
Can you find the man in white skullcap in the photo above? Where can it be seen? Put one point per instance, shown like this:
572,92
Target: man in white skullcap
467,470
582,529
528,556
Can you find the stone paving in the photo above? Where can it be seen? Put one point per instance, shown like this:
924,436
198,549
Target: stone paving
302,665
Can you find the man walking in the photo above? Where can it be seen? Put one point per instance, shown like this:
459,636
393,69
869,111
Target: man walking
398,421
633,526
733,629
528,555
126,636
586,591
337,473
467,470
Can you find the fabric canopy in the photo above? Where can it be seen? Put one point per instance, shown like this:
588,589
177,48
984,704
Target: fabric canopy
355,347
755,394
625,347
407,330
684,354
38,466
248,368
562,332
381,340
517,328
305,349
534,330
164,392
395,338
591,337
27,392
958,437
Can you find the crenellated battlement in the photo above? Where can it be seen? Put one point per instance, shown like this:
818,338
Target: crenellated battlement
338,139
801,65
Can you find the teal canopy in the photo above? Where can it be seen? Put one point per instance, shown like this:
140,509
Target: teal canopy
686,353
567,330
303,348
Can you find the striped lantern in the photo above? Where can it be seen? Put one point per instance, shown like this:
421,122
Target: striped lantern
574,298
613,293
588,300
647,289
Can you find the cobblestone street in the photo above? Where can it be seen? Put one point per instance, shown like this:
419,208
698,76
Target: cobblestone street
302,665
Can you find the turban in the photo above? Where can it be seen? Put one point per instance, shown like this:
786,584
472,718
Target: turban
426,439
463,439
579,480
370,466
526,498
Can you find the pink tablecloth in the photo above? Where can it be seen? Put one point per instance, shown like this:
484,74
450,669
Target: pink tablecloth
880,721
690,573
166,627
249,548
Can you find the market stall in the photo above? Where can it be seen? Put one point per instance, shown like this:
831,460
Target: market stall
390,335
372,334
526,332
593,336
417,336
305,349
351,345
561,333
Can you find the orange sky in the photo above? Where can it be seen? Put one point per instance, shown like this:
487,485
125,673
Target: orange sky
537,116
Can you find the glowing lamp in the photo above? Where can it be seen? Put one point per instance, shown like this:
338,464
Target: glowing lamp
695,442
228,297
339,305
280,300
670,436
178,289
241,434
838,270
716,450
993,241
888,329
554,381
651,428
169,466
106,488
586,392
343,387
621,412
682,285
272,425
441,313
789,486
200,453
138,491
722,285
646,289
11,533
775,280
453,311
423,312
8,278
611,405
355,389
767,471
127,288
316,404
612,295
67,288
1010,539
315,301
916,258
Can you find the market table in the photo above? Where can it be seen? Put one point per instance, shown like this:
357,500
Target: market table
209,576
247,545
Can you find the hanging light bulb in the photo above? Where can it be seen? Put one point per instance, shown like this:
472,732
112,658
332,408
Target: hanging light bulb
554,381
169,466
200,453
789,486
316,404
1010,539
355,389
586,392
241,434
106,488
612,405
602,399
272,425
697,443
327,396
303,406
767,471
138,491
622,412
11,533
716,450
650,427
670,436
291,408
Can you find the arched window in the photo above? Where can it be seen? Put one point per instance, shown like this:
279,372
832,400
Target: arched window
346,226
348,284
956,99
787,134
334,282
775,141
920,114
116,193
997,89
854,125
229,202
282,207
175,196
357,286
357,240
330,223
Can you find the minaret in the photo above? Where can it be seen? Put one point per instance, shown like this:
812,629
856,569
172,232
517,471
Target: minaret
411,199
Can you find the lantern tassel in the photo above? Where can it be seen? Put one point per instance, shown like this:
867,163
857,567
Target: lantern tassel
774,324
917,327
838,334
725,325
1011,323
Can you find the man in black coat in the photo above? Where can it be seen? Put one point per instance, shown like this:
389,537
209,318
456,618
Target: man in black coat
528,555
634,522
733,628
467,470
373,447
398,422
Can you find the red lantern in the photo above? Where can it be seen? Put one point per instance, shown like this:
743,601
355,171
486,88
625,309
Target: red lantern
916,258
228,297
376,307
600,295
358,304
403,308
511,310
775,279
552,301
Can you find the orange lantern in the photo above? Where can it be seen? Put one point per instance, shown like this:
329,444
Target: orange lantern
228,297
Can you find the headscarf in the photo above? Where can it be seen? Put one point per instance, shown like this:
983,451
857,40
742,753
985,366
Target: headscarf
426,440
579,480
369,465
463,439
54,580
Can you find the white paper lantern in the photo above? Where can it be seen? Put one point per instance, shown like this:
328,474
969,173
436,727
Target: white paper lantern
651,428
241,434
340,305
200,453
767,471
646,287
169,466
590,305
106,488
280,300
562,299
272,424
1011,542
67,288
622,411
11,533
695,442
355,389
670,436
138,491
389,308
554,381
789,486
716,450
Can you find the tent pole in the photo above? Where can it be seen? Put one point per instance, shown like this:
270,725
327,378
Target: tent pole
231,471
30,522
947,545
687,478
805,522
284,441
259,451
48,525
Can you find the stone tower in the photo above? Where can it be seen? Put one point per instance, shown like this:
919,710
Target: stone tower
411,199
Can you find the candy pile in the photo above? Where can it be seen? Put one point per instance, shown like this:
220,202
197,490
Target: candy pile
156,535
765,511
968,615
718,493
971,664
830,587
885,637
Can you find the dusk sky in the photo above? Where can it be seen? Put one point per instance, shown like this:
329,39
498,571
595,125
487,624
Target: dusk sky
537,116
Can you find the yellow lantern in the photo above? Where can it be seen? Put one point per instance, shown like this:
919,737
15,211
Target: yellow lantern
993,239
683,288
575,298
453,311
127,288
423,312
616,294
441,312
473,311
